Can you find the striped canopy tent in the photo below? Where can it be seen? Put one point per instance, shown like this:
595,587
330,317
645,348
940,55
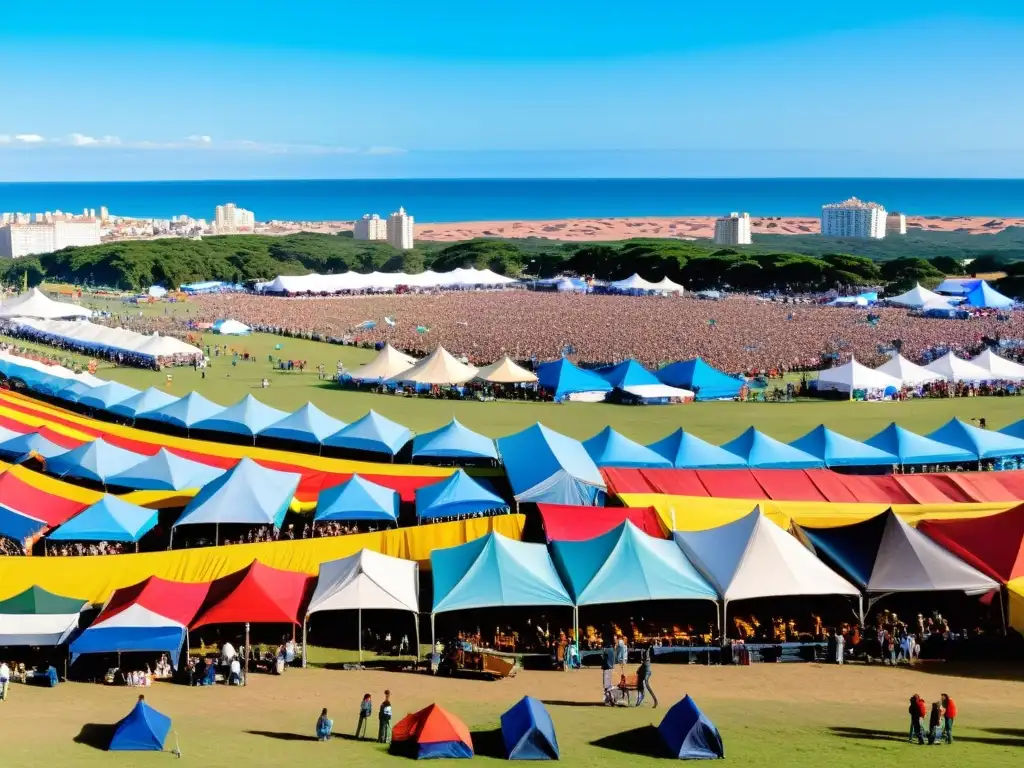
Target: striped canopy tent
36,617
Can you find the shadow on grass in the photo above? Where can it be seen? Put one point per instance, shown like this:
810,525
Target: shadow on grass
489,744
1018,732
553,703
1005,739
643,742
96,735
282,735
1009,671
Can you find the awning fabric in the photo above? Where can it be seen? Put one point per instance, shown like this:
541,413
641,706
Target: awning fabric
306,425
246,417
993,544
147,400
456,495
687,451
563,378
165,471
545,466
367,580
107,395
247,493
763,452
18,526
706,382
96,461
983,443
628,373
910,448
109,519
183,412
357,499
454,441
372,433
563,522
36,617
608,448
838,450
258,594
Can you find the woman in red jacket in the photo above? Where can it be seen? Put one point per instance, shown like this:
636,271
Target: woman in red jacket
949,714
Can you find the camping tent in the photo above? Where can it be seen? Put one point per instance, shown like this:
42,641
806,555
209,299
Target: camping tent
953,368
528,732
36,304
909,373
687,451
853,376
109,519
999,367
257,594
146,400
697,376
763,452
984,444
915,298
838,450
454,496
36,617
183,412
563,379
454,441
389,362
437,368
505,371
109,394
431,733
688,734
142,730
610,449
910,448
306,425
373,434
247,417
984,295
543,465
96,461
165,471
993,544
357,499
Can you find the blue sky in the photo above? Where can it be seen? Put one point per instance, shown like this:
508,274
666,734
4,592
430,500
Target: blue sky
265,89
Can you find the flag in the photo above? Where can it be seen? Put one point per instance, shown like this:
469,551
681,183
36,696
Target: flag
422,329
390,321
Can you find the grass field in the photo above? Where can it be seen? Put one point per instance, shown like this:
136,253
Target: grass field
769,715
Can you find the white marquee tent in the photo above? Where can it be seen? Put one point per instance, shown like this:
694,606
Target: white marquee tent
909,373
999,367
854,375
505,371
103,337
388,362
916,298
386,281
667,286
439,367
953,368
36,304
633,283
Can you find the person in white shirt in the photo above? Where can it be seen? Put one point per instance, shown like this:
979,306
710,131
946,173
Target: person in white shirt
235,676
5,680
227,653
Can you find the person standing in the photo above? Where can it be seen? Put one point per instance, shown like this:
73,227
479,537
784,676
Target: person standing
948,716
365,713
621,654
917,711
643,677
935,724
5,680
607,670
384,720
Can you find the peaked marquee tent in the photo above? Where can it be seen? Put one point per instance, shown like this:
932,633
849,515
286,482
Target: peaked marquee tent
632,378
838,450
257,594
505,371
357,499
688,734
910,448
909,373
373,434
388,363
687,451
454,441
306,425
432,733
19,447
544,465
999,367
763,452
183,412
36,617
165,471
915,298
993,544
146,400
247,417
984,444
103,397
633,283
853,376
96,461
528,732
109,519
706,382
608,448
562,378
984,295
142,730
454,496
437,368
953,368
37,305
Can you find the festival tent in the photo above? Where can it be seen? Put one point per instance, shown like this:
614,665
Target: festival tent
165,471
372,433
634,379
505,371
543,465
528,732
838,450
231,328
109,519
388,363
246,417
667,286
853,376
563,378
982,443
74,390
957,286
688,734
763,452
910,448
883,554
142,730
999,367
36,304
306,425
984,295
633,283
96,461
608,448
915,298
431,733
147,400
103,397
456,495
1015,598
563,522
437,368
22,446
20,493
1014,430
183,412
357,499
36,617
257,594
454,441
909,373
18,526
706,382
993,544
953,368
156,346
247,493
687,451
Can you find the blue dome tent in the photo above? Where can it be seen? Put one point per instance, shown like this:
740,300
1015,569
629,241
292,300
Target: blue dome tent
688,733
357,499
708,383
142,730
528,732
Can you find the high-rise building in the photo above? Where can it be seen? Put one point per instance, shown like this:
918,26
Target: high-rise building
370,228
104,213
853,218
896,224
733,229
17,240
400,231
228,219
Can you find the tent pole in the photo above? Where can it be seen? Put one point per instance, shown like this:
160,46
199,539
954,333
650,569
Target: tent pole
360,612
860,609
416,650
1002,609
433,640
305,621
216,534
170,544
245,658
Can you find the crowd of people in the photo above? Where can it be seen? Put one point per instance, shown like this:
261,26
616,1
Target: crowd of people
83,548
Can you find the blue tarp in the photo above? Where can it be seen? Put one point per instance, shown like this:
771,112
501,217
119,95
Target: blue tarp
246,417
528,732
456,495
18,526
183,412
911,448
626,565
94,461
706,382
143,730
73,391
984,295
109,519
18,448
838,450
165,471
106,395
763,452
980,442
495,572
357,499
146,400
453,441
562,378
247,493
545,466
128,639
628,373
687,451
688,734
307,425
610,449
373,434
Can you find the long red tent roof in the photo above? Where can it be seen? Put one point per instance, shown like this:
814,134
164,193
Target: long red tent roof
175,600
565,522
257,594
993,544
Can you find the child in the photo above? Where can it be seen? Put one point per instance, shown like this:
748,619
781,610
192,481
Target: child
384,726
917,711
935,724
947,721
324,726
365,711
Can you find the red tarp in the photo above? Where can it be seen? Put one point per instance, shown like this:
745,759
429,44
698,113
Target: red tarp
19,496
565,522
832,486
628,480
257,594
176,600
793,486
993,544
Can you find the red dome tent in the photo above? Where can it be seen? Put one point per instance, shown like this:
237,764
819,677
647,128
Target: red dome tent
431,733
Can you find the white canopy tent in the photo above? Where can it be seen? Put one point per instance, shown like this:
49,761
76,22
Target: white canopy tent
854,375
660,391
389,362
667,286
120,339
999,367
37,305
909,373
232,327
386,281
505,371
953,368
439,367
916,298
633,283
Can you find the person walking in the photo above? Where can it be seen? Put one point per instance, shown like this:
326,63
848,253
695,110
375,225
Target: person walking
384,720
643,677
608,670
365,713
948,716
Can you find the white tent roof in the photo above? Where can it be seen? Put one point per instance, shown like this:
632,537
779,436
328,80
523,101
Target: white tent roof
232,328
137,615
998,366
655,391
36,304
953,368
389,362
753,557
121,339
667,286
165,346
909,373
36,629
633,283
916,297
854,375
505,371
940,303
385,281
439,367
367,580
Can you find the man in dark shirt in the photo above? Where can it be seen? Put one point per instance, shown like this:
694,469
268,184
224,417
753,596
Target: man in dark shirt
608,669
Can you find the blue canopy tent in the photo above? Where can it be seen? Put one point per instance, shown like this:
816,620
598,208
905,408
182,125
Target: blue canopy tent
109,519
763,452
706,382
984,295
911,448
981,442
143,730
373,434
165,471
453,441
18,448
628,373
8,434
146,400
357,499
106,395
610,449
183,412
96,461
1016,429
246,417
306,425
545,466
528,732
563,378
456,495
73,391
838,450
687,451
689,735
18,526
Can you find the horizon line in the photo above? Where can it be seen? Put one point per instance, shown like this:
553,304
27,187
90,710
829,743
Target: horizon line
272,179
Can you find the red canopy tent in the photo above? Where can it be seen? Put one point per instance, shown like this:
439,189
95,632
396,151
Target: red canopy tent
257,594
20,496
993,544
175,600
565,522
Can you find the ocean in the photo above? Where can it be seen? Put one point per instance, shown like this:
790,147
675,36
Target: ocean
449,200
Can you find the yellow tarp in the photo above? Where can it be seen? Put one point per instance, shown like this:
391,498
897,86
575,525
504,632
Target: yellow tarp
1015,589
95,578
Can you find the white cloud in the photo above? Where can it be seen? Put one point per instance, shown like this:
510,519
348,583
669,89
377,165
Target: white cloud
196,142
4,138
29,138
198,139
385,151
